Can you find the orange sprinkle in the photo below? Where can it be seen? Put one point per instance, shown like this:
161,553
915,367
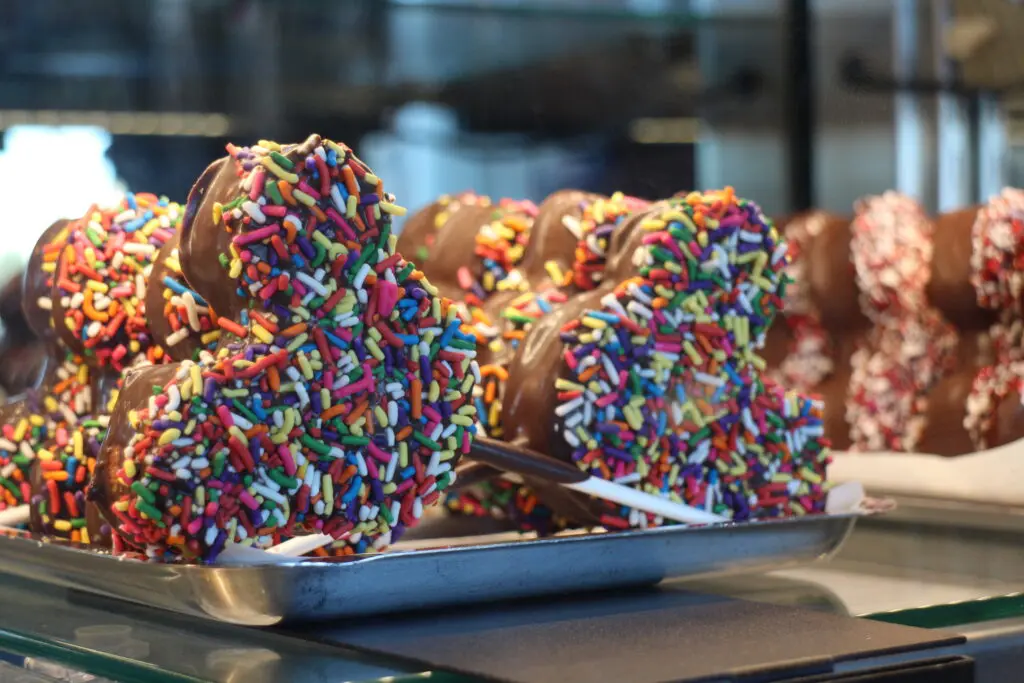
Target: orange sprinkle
334,411
286,191
416,398
356,413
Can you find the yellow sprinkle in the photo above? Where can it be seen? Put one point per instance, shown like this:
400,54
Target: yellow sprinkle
169,436
234,431
128,465
327,489
85,536
393,209
566,385
297,342
44,454
19,431
262,334
97,286
303,197
236,268
433,391
382,417
284,175
62,525
350,206
374,350
307,371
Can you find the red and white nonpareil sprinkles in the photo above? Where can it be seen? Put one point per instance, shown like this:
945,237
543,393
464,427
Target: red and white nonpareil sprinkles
911,345
808,362
997,265
346,409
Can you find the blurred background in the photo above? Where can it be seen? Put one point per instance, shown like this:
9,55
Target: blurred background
796,103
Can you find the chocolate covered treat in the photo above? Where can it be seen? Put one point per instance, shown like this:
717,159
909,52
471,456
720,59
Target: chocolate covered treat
657,381
98,304
929,358
422,230
994,411
910,345
180,320
345,405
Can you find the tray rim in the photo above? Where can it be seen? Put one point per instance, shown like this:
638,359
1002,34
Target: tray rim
56,545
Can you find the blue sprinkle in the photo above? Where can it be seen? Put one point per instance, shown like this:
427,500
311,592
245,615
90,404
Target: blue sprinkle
179,288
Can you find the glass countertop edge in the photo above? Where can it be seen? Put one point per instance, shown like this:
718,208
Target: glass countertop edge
95,662
954,614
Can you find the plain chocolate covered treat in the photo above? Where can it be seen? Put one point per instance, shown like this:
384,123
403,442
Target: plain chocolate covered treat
833,291
950,290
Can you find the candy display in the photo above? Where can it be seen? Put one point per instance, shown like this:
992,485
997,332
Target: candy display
565,253
345,404
658,384
922,326
97,306
910,345
994,404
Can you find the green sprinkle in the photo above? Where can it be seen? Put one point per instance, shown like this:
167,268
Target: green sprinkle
244,410
283,479
150,512
143,492
219,461
315,445
426,441
355,440
275,195
282,161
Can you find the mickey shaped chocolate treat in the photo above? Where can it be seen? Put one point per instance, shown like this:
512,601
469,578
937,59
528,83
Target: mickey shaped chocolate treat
345,404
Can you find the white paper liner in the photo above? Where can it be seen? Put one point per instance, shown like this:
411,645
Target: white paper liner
992,477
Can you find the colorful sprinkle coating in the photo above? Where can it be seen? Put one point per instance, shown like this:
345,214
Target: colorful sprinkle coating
346,410
29,426
809,360
500,246
65,468
594,231
910,346
101,279
61,401
191,320
660,387
501,499
997,265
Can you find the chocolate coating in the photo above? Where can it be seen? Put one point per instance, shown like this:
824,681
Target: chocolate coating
202,242
137,388
550,239
37,283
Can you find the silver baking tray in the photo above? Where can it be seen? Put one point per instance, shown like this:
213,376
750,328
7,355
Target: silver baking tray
489,568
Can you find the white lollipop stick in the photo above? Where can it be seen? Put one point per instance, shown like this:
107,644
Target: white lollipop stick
655,505
15,516
513,458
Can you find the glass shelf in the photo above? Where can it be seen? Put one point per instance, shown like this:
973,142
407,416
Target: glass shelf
124,642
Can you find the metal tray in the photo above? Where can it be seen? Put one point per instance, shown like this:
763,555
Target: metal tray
314,590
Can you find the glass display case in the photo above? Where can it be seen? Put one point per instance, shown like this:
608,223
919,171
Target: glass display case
798,104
